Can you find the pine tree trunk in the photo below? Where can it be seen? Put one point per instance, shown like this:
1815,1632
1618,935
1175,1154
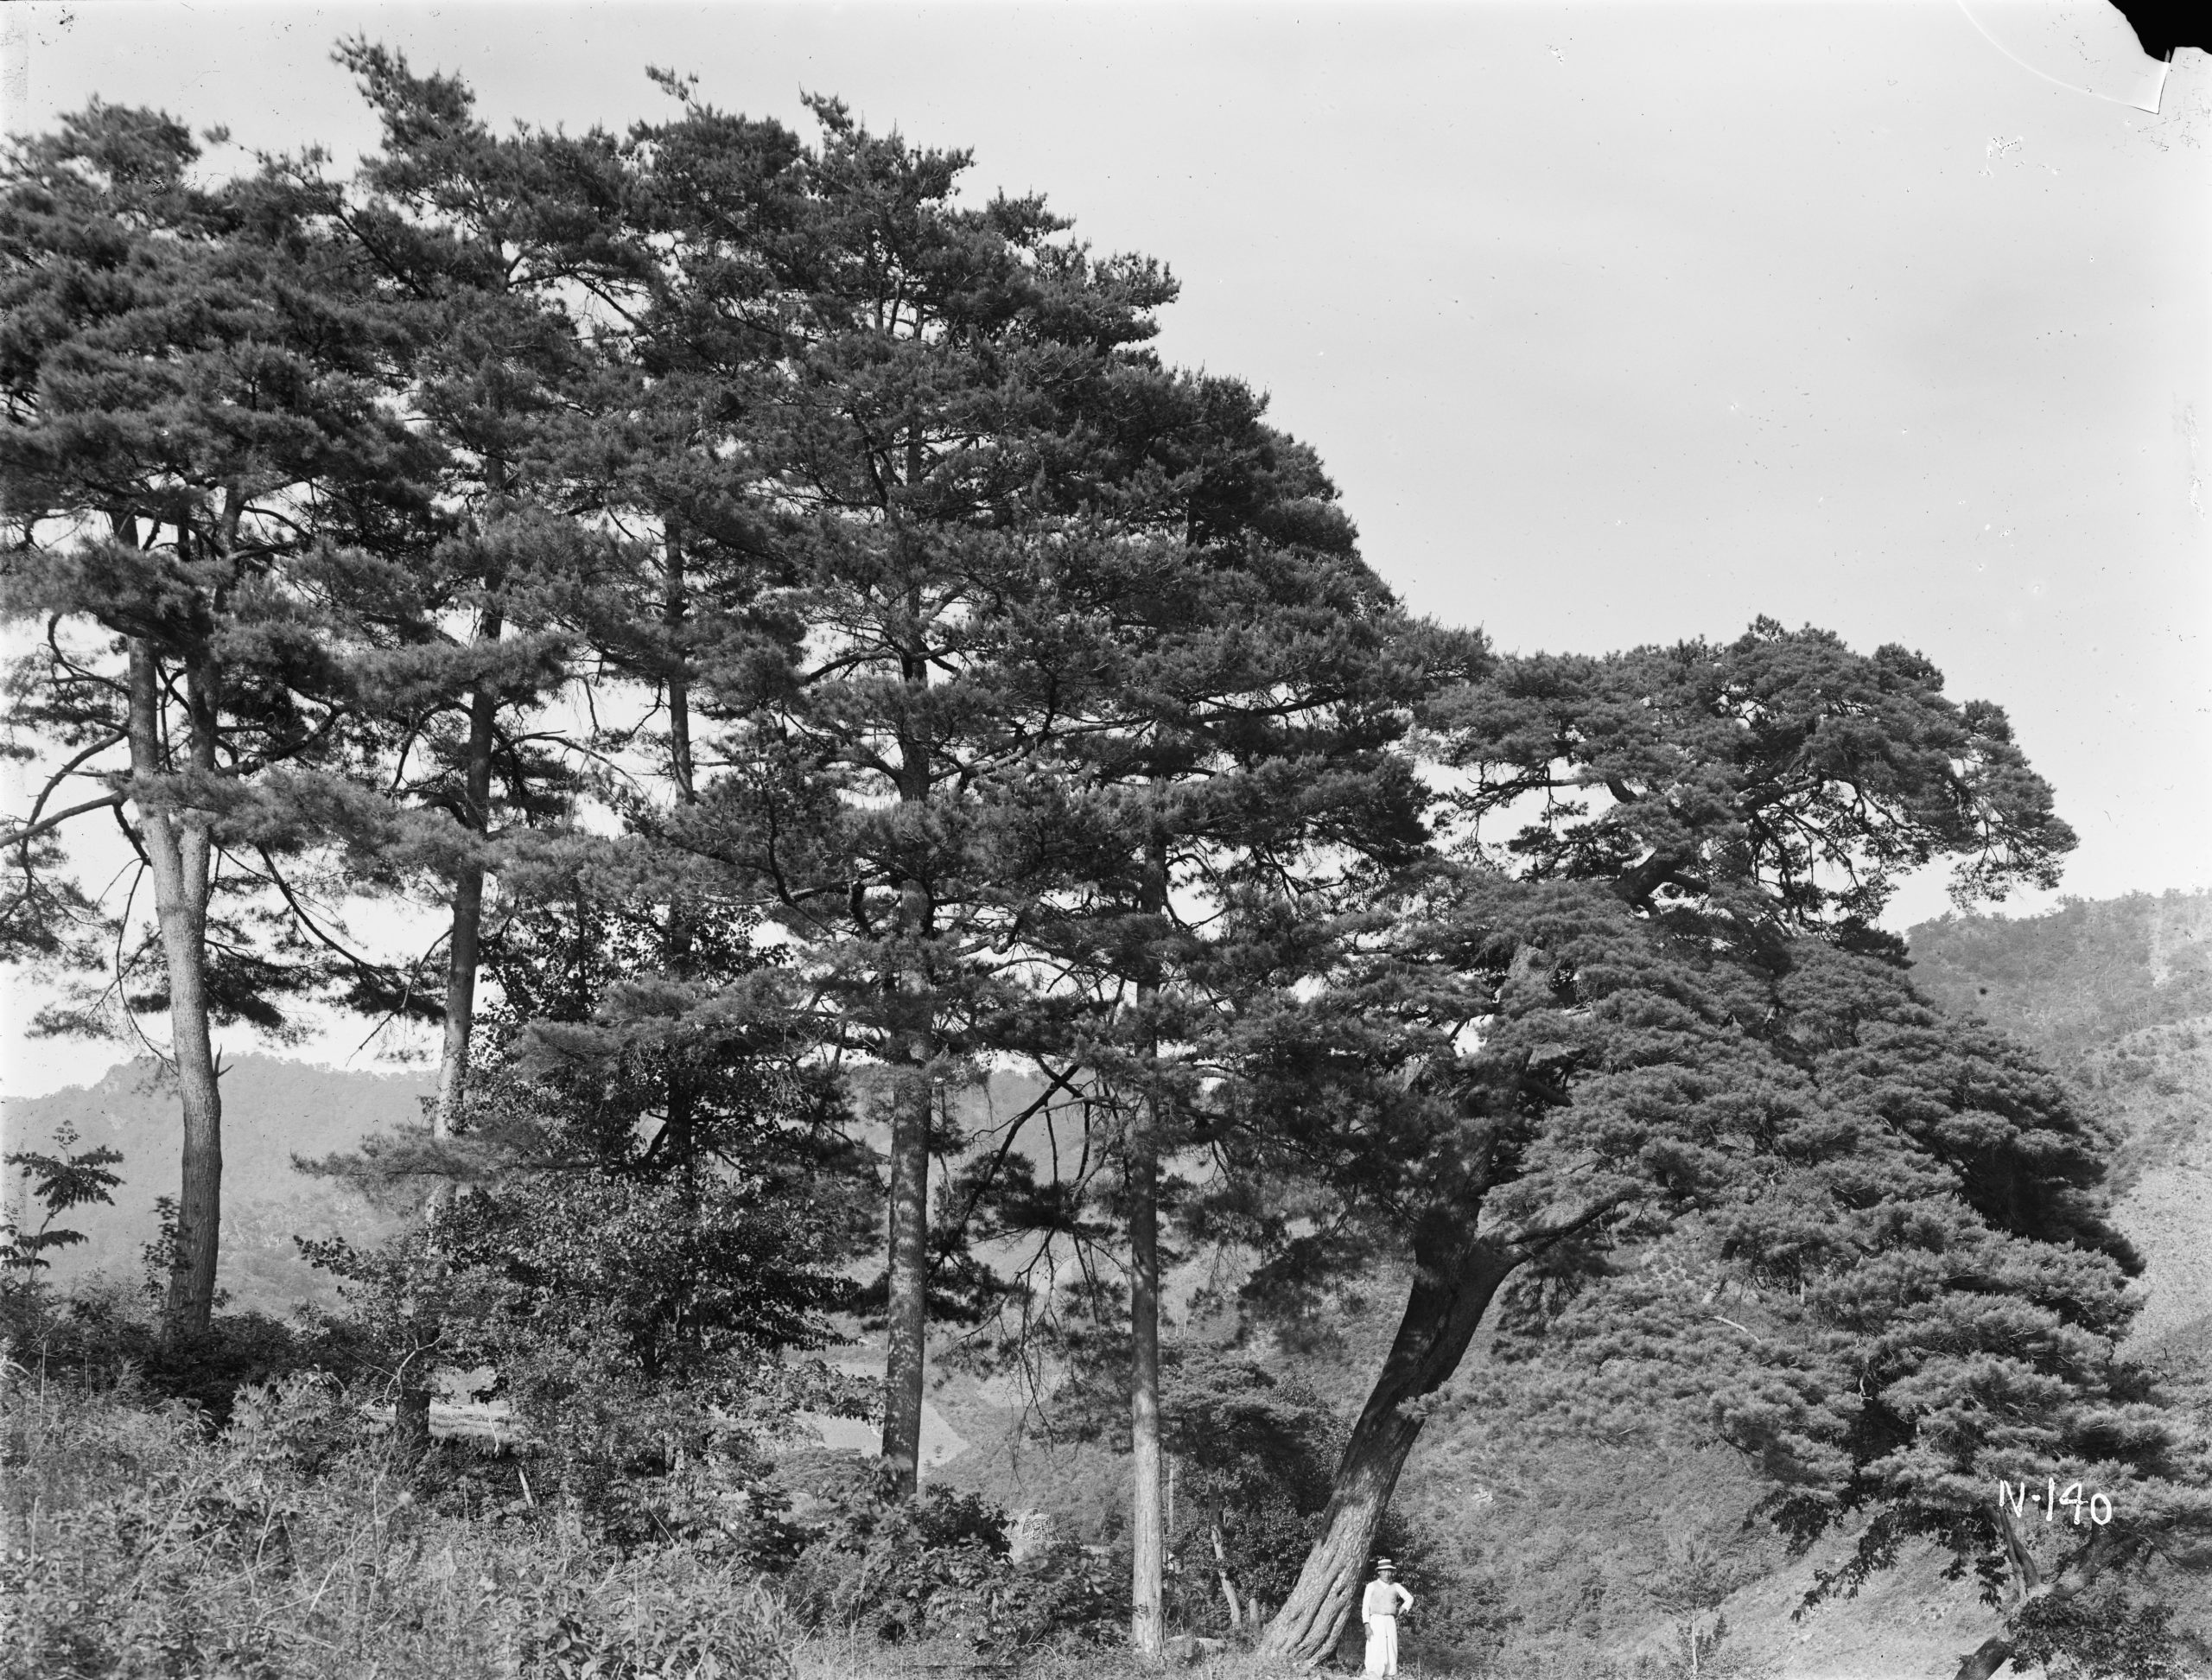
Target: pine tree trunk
674,612
464,954
178,846
412,1410
1147,1540
683,1090
2080,1572
464,945
1452,1286
410,1417
906,1307
1147,1527
907,1273
913,1051
1985,1659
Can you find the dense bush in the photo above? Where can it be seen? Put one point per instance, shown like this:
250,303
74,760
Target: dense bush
100,1332
897,1571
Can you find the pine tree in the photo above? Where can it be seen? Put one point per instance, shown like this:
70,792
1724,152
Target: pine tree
492,251
194,423
626,1289
1686,808
929,466
663,452
1234,751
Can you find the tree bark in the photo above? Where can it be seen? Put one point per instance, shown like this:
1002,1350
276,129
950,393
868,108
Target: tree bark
1147,1540
906,1304
683,1085
906,1271
1147,1533
178,846
464,953
676,610
1454,1283
411,1413
2028,1583
913,1047
464,945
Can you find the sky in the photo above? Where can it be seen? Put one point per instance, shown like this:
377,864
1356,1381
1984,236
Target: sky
1614,324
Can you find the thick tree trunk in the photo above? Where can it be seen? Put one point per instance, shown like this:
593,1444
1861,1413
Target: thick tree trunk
908,1268
907,1273
1454,1283
906,1307
464,954
178,846
410,1418
2028,1583
675,611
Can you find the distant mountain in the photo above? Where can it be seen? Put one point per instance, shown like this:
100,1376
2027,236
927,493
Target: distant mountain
272,1110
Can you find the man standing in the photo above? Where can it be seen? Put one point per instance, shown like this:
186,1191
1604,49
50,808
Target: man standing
1379,1609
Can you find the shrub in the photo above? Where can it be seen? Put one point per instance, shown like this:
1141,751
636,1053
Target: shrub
888,1569
98,1332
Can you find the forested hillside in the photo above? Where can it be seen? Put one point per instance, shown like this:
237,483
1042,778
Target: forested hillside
2118,993
2079,978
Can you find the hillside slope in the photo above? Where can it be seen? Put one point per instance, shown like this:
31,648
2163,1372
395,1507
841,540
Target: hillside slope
2117,995
272,1110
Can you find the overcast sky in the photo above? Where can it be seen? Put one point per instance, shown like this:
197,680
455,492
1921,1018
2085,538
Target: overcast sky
1613,324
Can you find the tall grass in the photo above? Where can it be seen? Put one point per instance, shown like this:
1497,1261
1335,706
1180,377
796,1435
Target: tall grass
292,1542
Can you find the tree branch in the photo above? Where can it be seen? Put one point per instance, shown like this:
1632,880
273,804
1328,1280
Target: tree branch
32,831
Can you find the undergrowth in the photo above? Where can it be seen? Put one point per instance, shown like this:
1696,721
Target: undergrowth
291,1543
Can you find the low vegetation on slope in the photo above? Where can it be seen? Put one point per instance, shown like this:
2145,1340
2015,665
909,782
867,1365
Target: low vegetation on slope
293,1543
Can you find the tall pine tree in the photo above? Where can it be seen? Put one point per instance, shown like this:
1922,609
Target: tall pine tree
930,462
1235,753
195,422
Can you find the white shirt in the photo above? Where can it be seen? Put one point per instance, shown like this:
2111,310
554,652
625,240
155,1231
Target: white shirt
1383,1598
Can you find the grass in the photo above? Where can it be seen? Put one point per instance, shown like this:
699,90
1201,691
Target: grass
293,1541
138,1543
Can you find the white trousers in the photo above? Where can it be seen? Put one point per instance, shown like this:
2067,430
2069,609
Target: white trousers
1381,1644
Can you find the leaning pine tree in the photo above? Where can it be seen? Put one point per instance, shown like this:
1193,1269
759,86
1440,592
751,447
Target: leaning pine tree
1682,814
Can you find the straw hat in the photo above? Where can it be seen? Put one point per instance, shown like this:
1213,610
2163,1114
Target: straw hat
1381,1564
